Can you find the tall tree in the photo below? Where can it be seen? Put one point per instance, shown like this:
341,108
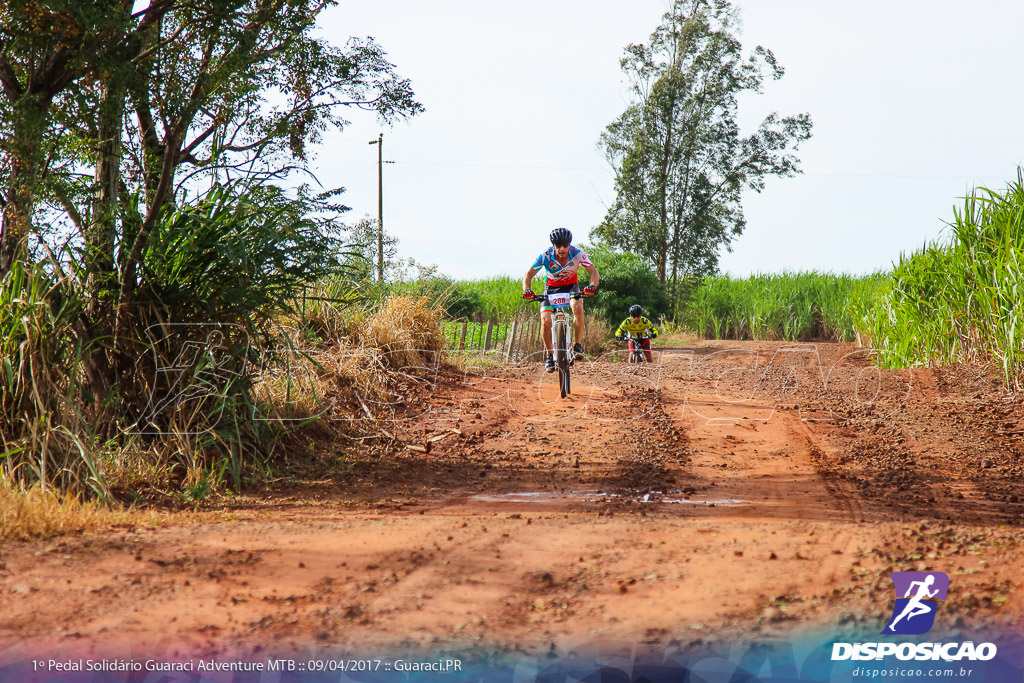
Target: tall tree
107,113
44,49
113,112
680,158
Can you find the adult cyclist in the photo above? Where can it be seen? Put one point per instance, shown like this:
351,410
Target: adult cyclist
637,326
561,262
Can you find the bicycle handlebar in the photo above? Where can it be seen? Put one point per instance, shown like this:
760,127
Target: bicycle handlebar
541,298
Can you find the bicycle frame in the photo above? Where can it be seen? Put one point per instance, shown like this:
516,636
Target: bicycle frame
637,355
561,336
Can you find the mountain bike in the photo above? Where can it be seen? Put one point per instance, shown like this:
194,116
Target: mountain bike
561,335
637,355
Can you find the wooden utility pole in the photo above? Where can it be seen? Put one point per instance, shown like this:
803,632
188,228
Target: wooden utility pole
380,205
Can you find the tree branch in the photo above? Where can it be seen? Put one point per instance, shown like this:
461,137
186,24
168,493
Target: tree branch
9,79
69,208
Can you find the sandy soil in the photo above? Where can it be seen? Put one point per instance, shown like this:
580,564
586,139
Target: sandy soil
751,490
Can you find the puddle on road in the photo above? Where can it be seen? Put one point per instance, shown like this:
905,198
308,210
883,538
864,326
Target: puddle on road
676,497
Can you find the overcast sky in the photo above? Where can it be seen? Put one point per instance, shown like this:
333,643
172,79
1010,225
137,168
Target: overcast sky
914,102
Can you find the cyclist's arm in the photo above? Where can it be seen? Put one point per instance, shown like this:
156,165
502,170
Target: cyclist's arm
654,330
595,278
528,278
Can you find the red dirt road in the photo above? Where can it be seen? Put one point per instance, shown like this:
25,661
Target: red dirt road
747,491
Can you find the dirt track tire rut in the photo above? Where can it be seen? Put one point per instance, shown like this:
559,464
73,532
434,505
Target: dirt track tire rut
752,527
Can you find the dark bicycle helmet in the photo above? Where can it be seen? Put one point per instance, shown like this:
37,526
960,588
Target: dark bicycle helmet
561,237
635,310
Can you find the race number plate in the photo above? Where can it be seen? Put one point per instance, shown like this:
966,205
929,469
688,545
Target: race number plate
560,299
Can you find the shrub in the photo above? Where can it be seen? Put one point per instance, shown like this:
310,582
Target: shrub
626,279
959,299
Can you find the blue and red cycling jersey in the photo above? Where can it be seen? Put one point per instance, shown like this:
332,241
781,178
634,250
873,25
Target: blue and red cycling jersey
559,275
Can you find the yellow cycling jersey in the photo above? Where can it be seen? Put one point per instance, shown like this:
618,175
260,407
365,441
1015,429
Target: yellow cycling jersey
637,329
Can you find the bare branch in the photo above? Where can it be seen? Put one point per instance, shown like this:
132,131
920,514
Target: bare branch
69,208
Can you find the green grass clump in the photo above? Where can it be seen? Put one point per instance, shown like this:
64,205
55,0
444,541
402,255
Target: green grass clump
498,297
476,334
788,306
958,300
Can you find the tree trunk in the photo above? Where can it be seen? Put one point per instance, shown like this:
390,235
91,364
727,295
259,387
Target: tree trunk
25,149
665,172
102,368
17,216
101,279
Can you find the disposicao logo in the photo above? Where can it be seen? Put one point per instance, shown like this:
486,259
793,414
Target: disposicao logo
916,596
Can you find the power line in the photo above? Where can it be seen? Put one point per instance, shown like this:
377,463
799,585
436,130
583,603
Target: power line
519,166
886,176
894,176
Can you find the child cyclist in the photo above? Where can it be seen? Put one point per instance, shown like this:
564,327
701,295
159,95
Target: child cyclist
637,326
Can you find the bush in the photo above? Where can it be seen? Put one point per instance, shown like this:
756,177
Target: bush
235,254
960,299
407,330
214,273
626,279
790,306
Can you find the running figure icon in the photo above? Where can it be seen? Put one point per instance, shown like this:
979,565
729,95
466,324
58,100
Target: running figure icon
917,597
915,607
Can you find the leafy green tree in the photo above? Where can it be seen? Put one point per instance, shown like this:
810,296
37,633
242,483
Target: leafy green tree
626,279
115,114
120,117
46,48
142,151
681,161
362,235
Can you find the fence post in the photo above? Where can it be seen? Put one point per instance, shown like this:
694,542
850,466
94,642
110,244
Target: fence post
531,337
487,336
516,339
510,338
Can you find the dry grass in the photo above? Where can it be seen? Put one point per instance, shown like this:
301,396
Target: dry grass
41,513
374,352
406,330
369,350
302,388
596,335
676,339
329,308
475,361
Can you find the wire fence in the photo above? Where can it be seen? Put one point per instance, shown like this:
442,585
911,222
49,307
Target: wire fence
515,338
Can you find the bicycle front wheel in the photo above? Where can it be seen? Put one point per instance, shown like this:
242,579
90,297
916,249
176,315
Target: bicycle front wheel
562,358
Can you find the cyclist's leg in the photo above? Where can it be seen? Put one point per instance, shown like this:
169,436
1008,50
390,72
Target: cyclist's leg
545,328
647,350
578,322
